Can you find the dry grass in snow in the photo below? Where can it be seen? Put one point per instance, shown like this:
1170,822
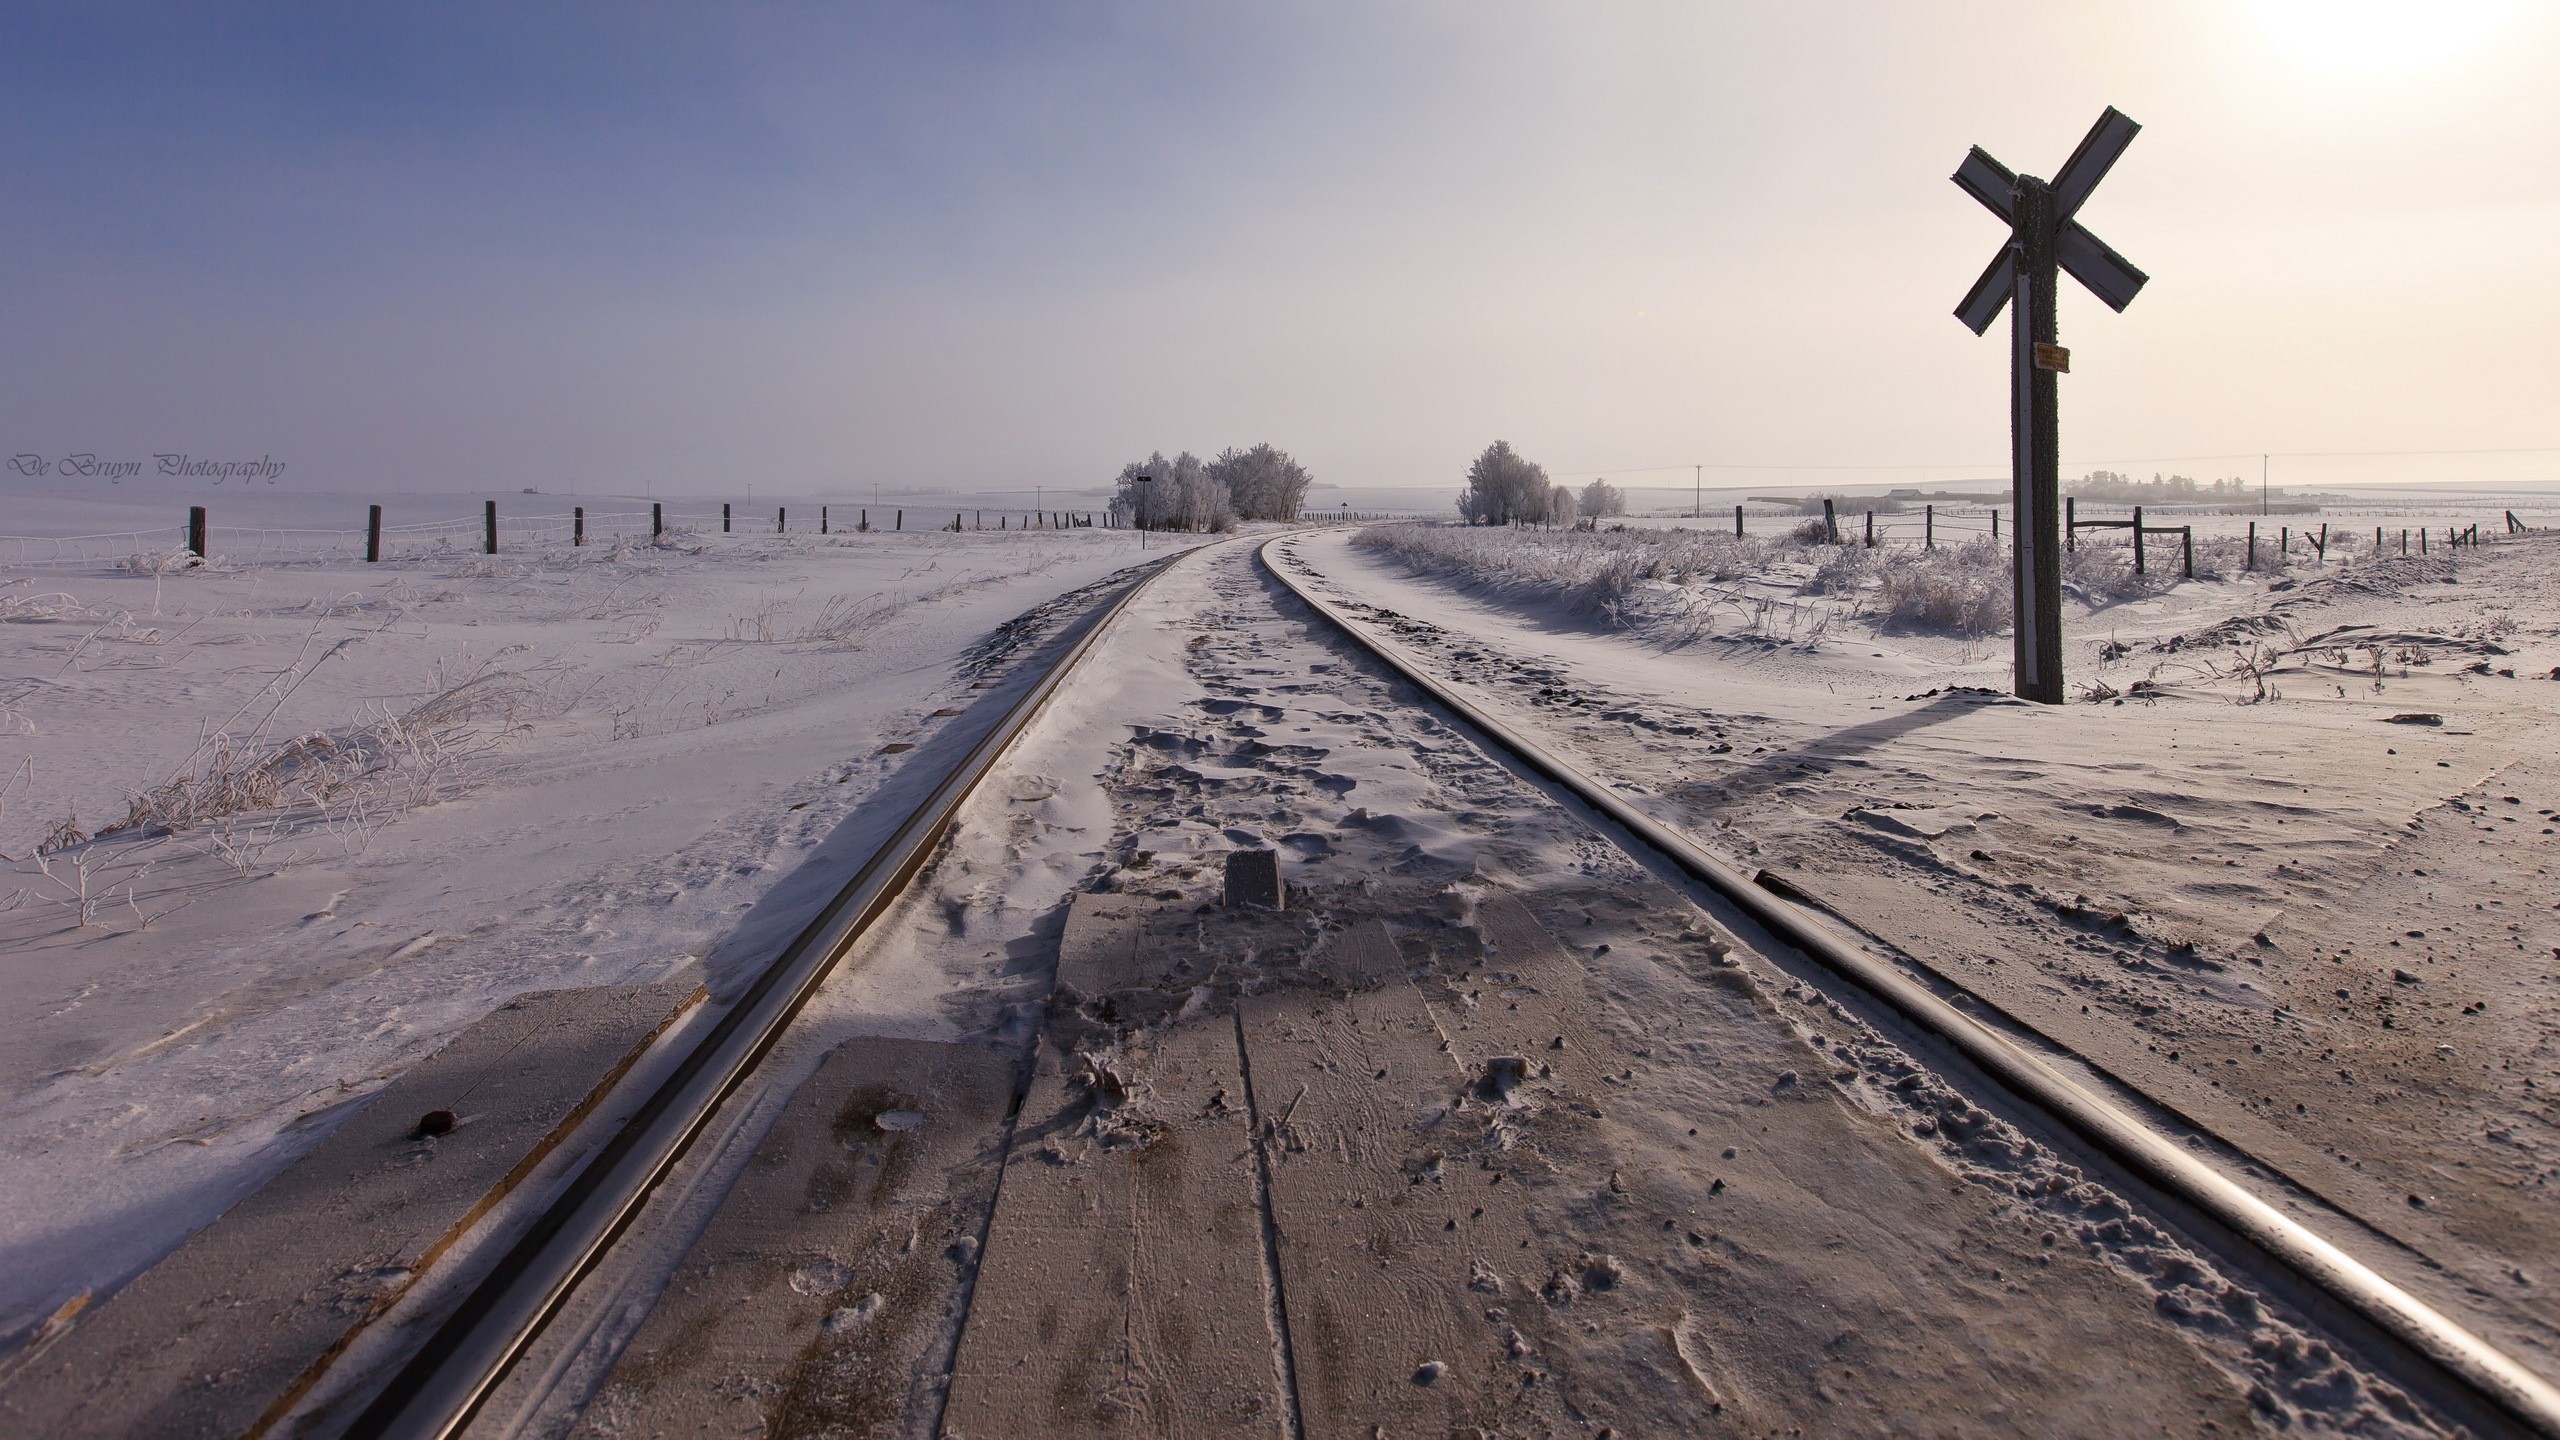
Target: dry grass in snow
1683,585
1688,584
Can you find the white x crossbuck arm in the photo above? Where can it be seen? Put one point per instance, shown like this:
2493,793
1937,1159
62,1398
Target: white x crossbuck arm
2109,276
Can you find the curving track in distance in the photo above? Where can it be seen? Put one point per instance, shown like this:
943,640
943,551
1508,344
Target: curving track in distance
2466,1364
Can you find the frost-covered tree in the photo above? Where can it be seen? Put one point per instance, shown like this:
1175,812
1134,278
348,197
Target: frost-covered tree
1176,494
1264,483
1503,487
1600,500
1560,508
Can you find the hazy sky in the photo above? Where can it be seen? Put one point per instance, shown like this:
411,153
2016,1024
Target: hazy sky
821,248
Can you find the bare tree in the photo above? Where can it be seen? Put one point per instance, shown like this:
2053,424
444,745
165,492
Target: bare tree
1265,483
1600,500
1176,494
1503,487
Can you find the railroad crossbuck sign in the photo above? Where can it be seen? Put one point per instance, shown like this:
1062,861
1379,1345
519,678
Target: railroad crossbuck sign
2042,236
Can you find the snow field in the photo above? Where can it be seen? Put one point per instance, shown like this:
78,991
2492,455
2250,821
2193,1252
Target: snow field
274,830
2283,866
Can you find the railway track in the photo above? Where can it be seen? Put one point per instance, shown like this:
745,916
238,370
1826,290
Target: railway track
2459,1359
440,1390
442,1387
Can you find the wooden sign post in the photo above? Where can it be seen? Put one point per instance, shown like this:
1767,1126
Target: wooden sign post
2043,238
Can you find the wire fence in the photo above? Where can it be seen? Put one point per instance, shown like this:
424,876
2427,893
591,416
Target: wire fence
1924,525
161,547
270,545
1954,524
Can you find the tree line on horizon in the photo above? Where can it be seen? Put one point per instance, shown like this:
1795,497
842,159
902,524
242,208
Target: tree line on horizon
1505,487
1189,493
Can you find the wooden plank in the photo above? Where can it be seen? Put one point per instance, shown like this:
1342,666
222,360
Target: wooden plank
1527,998
823,1297
1122,1290
222,1336
1100,950
1397,1247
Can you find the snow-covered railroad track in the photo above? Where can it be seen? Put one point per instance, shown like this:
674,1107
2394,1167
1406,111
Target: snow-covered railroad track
2464,1361
443,1386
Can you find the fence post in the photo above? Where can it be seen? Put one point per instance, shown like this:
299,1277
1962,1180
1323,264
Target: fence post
577,525
2404,541
2253,545
195,530
2137,541
657,519
955,522
2284,546
2324,540
1737,522
373,533
724,517
2187,538
781,519
862,521
1995,522
2422,541
902,519
1871,529
2070,522
2377,542
489,524
1830,523
822,519
1929,527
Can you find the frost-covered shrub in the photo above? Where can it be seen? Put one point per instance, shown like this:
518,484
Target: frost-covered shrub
1503,486
1263,483
1605,585
1961,588
1565,564
1841,571
1598,573
2221,559
2103,575
1176,494
1560,508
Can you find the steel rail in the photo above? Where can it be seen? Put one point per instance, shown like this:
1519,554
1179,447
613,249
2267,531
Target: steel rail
2470,1362
444,1385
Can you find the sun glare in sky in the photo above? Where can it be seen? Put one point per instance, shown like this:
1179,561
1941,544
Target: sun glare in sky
2372,37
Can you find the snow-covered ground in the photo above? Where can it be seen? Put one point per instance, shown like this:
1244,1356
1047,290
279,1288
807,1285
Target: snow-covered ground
370,802
587,766
1862,1241
2285,868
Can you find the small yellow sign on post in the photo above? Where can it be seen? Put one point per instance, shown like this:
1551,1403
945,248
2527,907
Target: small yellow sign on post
2053,357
